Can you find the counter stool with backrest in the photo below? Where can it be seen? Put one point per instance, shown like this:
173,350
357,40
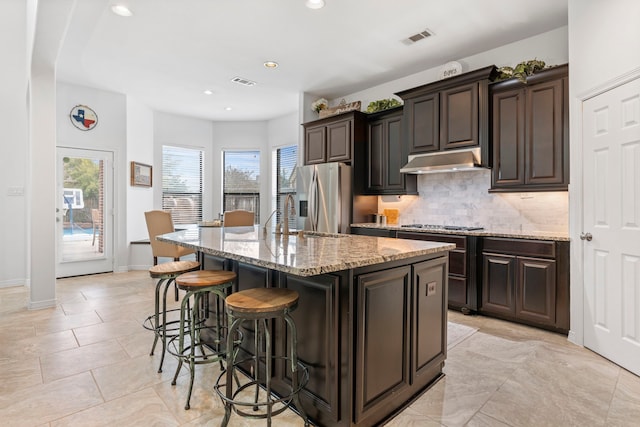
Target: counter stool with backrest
260,305
198,285
166,274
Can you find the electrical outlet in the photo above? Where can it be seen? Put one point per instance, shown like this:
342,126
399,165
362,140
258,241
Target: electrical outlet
431,288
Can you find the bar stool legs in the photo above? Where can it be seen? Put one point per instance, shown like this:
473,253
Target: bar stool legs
198,285
166,274
259,305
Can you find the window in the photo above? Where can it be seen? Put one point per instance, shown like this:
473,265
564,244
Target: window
241,182
182,184
284,176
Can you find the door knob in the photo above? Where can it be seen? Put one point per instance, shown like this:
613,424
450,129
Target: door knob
586,236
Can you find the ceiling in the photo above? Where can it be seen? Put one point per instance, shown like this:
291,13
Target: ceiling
169,52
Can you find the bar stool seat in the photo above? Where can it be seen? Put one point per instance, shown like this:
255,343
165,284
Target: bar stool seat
198,285
166,274
259,305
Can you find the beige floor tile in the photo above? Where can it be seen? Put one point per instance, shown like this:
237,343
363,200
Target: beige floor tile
119,379
409,418
105,331
142,408
139,343
481,420
43,403
70,362
16,374
37,345
625,405
67,322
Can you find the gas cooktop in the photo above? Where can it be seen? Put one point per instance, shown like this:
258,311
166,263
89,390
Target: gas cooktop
443,227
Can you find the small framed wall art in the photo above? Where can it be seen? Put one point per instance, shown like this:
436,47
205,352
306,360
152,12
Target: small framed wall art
141,174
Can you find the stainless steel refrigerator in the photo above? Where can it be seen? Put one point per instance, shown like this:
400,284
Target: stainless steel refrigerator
323,197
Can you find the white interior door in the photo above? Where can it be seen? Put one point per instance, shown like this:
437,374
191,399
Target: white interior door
84,212
611,133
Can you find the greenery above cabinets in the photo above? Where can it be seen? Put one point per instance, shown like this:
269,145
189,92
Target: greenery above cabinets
530,132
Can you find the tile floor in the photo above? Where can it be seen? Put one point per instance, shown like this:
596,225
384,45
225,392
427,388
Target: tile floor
86,363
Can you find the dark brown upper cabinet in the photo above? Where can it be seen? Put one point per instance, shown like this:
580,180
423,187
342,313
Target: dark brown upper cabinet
530,132
449,114
385,155
334,139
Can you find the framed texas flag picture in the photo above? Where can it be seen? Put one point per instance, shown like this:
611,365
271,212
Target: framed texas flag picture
83,117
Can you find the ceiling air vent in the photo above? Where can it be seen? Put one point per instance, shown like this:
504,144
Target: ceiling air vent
243,81
417,37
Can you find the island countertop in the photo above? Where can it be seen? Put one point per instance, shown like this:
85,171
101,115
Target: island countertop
307,255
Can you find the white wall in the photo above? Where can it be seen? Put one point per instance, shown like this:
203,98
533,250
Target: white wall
110,134
13,142
241,136
551,47
603,46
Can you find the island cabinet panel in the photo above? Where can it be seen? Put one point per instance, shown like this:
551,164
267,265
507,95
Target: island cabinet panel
429,299
321,343
462,292
382,350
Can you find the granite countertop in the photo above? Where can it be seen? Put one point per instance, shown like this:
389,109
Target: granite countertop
487,232
314,253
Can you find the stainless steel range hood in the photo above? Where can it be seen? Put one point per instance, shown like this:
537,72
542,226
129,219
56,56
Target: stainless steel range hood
444,161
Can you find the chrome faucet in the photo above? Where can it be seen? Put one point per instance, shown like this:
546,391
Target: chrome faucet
289,208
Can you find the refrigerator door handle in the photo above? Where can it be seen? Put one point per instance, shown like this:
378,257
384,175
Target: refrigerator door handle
313,199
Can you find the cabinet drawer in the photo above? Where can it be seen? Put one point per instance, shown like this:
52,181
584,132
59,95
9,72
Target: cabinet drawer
459,241
537,248
458,262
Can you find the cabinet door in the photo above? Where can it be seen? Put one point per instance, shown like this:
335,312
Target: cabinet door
423,123
508,138
376,155
394,180
315,145
382,349
536,290
339,141
498,284
459,117
428,314
320,337
545,133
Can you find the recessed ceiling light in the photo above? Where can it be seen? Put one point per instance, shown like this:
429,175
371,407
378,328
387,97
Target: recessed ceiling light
271,64
208,92
121,10
314,4
228,108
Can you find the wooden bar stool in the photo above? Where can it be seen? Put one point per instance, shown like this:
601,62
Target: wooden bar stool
259,305
198,285
166,274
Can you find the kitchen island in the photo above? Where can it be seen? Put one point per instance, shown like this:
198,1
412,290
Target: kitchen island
371,318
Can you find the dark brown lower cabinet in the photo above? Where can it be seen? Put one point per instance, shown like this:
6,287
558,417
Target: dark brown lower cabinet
372,338
382,349
400,338
526,281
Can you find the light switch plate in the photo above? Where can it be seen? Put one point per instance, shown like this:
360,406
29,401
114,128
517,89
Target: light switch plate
15,191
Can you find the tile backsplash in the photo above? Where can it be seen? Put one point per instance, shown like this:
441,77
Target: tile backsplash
461,198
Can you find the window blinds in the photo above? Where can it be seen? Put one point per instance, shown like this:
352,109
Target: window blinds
182,184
